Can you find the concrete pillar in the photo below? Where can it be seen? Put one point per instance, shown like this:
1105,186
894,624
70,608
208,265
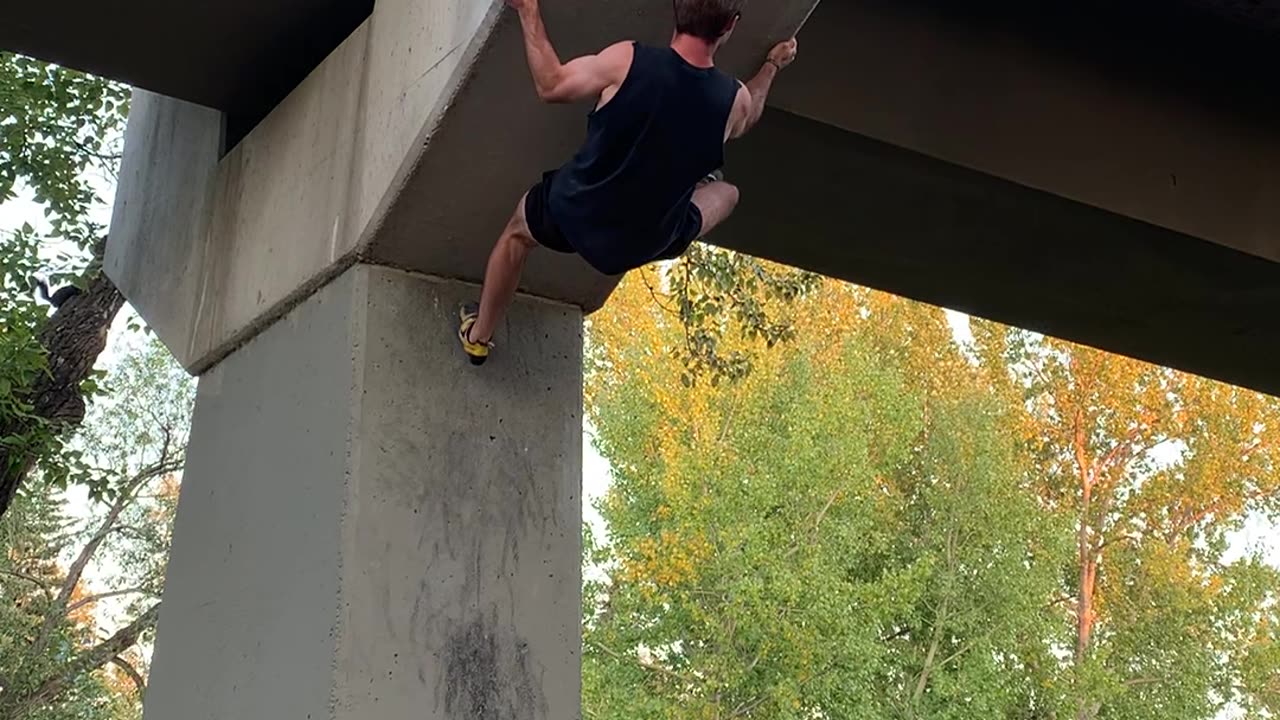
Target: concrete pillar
371,528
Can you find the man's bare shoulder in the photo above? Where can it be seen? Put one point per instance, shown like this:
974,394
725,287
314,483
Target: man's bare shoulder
615,60
622,51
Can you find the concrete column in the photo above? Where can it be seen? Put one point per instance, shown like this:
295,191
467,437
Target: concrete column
370,528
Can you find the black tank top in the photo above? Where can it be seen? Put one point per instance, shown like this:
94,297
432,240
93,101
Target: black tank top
621,200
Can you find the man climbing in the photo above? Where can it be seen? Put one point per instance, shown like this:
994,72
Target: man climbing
646,182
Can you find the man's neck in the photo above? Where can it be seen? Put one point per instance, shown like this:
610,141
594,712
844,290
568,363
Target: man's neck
695,51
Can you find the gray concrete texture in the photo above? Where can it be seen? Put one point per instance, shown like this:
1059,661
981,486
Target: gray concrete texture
238,56
410,145
244,56
322,181
371,528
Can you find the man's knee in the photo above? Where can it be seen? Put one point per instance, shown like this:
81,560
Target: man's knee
518,241
732,195
517,232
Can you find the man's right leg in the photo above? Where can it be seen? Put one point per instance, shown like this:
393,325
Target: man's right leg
502,276
716,201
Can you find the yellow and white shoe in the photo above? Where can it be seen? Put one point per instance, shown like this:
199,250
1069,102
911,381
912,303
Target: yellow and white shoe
476,352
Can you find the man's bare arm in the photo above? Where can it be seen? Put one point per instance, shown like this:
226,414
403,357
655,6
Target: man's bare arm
579,79
749,105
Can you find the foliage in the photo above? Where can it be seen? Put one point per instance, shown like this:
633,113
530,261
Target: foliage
58,129
878,523
56,126
827,538
1155,468
28,572
714,291
22,357
132,446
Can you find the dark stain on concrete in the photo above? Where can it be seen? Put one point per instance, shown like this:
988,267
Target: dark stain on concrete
487,675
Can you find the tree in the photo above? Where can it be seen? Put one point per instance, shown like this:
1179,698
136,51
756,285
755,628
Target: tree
826,537
132,450
715,292
1155,468
28,574
876,523
57,128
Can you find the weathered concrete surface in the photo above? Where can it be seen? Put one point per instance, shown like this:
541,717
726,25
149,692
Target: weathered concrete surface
321,182
411,143
370,528
1074,114
244,56
239,56
284,210
250,615
158,253
203,244
885,217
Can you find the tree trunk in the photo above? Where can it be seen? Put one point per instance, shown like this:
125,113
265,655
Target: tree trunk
1086,615
73,338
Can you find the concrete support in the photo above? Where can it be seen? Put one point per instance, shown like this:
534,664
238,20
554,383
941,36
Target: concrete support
371,528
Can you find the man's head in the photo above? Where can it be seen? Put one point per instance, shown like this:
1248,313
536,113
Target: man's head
710,20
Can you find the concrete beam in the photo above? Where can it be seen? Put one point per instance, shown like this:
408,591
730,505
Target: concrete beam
398,149
1177,129
497,139
411,143
875,214
237,56
371,529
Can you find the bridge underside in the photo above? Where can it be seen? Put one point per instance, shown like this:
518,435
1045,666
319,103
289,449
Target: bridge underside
1109,178
370,528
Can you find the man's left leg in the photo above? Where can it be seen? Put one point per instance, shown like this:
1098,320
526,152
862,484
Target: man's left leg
501,278
716,201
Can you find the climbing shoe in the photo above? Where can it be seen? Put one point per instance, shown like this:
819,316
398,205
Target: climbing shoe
713,176
476,352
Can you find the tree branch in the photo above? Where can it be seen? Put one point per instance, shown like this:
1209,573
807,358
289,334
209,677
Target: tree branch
85,662
817,523
103,596
58,609
138,681
655,667
29,578
73,339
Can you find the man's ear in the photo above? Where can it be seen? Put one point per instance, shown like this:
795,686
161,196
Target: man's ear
733,24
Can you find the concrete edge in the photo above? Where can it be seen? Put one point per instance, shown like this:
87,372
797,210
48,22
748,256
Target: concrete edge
218,353
268,317
456,84
357,327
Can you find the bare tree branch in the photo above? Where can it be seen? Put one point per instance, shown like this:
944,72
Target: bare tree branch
87,661
103,596
58,609
29,578
139,682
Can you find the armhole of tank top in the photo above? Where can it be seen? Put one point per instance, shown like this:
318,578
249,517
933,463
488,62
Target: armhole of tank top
735,86
626,81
